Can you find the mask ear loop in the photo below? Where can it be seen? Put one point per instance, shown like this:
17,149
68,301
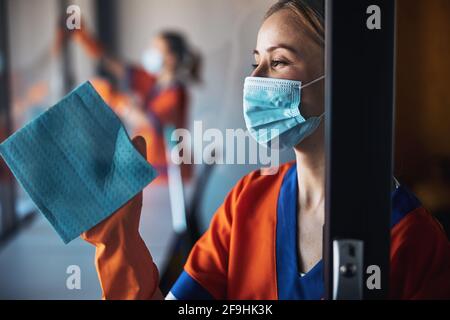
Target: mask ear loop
312,82
320,118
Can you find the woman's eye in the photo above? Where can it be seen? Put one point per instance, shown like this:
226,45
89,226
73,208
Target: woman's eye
273,64
277,63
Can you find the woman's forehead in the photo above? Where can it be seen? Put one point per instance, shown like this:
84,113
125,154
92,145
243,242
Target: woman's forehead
159,43
282,28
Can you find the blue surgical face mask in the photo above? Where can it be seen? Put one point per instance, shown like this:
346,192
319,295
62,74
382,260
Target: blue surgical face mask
152,60
272,112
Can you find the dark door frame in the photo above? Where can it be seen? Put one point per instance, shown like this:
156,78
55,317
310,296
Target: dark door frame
359,128
7,191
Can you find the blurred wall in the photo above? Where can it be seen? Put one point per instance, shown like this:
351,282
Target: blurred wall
423,101
32,28
31,34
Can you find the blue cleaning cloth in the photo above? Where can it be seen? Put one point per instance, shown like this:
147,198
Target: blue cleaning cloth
77,162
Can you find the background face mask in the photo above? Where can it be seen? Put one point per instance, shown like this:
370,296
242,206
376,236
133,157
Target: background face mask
152,61
272,112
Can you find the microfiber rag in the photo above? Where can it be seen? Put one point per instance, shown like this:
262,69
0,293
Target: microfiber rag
77,162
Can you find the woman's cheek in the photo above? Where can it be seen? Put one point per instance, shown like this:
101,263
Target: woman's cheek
296,72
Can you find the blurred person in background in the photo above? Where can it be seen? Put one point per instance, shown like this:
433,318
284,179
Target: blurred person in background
159,84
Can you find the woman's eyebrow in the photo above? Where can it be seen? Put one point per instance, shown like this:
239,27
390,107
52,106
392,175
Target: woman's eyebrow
279,46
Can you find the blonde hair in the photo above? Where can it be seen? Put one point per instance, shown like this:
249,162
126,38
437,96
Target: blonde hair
307,16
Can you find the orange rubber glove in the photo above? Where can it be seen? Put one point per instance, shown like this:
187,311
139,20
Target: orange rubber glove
124,265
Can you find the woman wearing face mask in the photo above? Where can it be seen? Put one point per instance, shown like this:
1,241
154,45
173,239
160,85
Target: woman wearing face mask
168,65
265,241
